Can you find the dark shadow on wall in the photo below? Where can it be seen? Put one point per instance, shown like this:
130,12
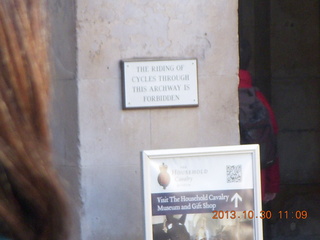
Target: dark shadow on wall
285,35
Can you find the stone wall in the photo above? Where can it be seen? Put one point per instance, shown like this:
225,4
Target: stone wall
295,64
111,139
97,143
64,114
296,88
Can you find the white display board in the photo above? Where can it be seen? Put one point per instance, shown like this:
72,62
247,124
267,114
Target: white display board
159,83
202,193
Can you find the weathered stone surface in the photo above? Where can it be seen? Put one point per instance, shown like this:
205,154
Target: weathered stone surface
111,139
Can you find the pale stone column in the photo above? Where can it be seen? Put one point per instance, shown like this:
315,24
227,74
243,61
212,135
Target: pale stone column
110,138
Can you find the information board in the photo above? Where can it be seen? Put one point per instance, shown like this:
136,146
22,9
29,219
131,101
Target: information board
202,193
159,83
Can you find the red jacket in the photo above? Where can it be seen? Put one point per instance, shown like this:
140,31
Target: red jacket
270,177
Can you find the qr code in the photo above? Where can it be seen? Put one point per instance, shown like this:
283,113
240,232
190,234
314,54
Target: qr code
234,173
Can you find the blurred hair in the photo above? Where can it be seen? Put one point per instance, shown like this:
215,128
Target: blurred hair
244,53
32,204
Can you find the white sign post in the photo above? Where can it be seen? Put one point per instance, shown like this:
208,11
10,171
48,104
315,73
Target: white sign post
203,192
159,83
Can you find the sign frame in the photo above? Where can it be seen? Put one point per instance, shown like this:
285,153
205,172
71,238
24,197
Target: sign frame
248,154
159,83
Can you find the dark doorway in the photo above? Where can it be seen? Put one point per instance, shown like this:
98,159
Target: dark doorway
285,36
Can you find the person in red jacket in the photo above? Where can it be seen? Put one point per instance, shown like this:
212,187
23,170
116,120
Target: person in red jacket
270,177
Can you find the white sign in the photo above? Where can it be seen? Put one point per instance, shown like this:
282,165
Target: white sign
159,83
203,193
